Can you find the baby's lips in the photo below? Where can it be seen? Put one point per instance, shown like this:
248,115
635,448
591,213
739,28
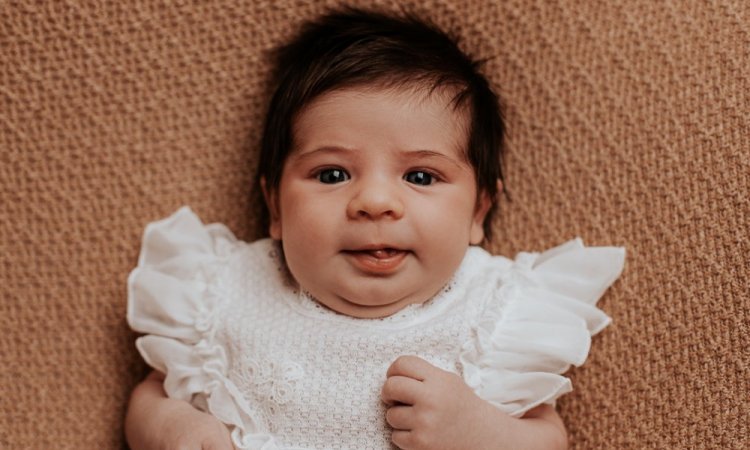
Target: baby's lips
384,252
377,261
381,252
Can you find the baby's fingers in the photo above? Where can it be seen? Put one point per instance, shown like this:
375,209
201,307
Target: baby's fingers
401,439
412,440
398,389
411,366
400,417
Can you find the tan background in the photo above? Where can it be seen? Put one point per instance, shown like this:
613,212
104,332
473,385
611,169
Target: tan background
629,125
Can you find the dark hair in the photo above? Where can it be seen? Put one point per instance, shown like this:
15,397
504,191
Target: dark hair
355,47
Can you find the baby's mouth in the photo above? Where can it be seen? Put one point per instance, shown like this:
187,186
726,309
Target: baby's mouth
377,261
382,253
379,252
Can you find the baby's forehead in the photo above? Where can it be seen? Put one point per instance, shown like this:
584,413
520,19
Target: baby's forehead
424,103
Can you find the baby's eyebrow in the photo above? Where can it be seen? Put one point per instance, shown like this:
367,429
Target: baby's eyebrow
429,154
326,150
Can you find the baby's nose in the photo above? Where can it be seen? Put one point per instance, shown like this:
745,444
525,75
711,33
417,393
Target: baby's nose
376,200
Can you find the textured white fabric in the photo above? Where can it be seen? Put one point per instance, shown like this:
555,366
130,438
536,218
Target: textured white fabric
236,337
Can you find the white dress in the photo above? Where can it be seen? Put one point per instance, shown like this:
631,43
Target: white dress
236,337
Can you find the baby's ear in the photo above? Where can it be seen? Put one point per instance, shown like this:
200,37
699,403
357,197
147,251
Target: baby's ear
476,236
484,203
272,203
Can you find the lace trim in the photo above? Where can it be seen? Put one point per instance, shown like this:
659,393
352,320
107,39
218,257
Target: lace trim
407,314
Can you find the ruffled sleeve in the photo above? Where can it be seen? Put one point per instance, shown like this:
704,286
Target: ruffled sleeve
538,323
173,298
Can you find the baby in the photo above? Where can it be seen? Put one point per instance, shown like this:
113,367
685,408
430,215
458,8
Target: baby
370,318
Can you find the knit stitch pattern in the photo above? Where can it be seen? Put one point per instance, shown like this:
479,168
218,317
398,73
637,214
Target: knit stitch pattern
629,125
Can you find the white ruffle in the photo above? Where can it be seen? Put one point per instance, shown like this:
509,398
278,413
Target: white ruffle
539,322
171,297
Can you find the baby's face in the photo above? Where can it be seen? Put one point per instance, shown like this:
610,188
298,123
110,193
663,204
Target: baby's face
377,204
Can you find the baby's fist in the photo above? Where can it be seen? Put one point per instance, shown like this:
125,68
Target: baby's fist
430,408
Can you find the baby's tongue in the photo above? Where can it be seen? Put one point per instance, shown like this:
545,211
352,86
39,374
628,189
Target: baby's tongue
382,253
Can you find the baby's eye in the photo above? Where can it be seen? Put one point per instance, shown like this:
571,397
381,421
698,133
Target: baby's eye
332,176
419,177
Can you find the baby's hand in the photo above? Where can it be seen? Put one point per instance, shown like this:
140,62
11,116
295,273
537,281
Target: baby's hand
157,422
190,429
430,408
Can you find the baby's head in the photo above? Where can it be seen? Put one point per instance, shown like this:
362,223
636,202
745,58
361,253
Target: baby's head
380,161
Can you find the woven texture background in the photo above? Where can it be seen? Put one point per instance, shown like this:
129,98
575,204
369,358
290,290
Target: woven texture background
629,125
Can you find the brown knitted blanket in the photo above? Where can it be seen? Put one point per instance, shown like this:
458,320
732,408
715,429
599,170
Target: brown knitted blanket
629,125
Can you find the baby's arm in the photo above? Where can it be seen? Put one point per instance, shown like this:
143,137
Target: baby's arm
156,422
430,408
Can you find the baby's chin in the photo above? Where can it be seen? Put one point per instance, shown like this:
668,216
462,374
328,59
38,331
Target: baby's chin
362,310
